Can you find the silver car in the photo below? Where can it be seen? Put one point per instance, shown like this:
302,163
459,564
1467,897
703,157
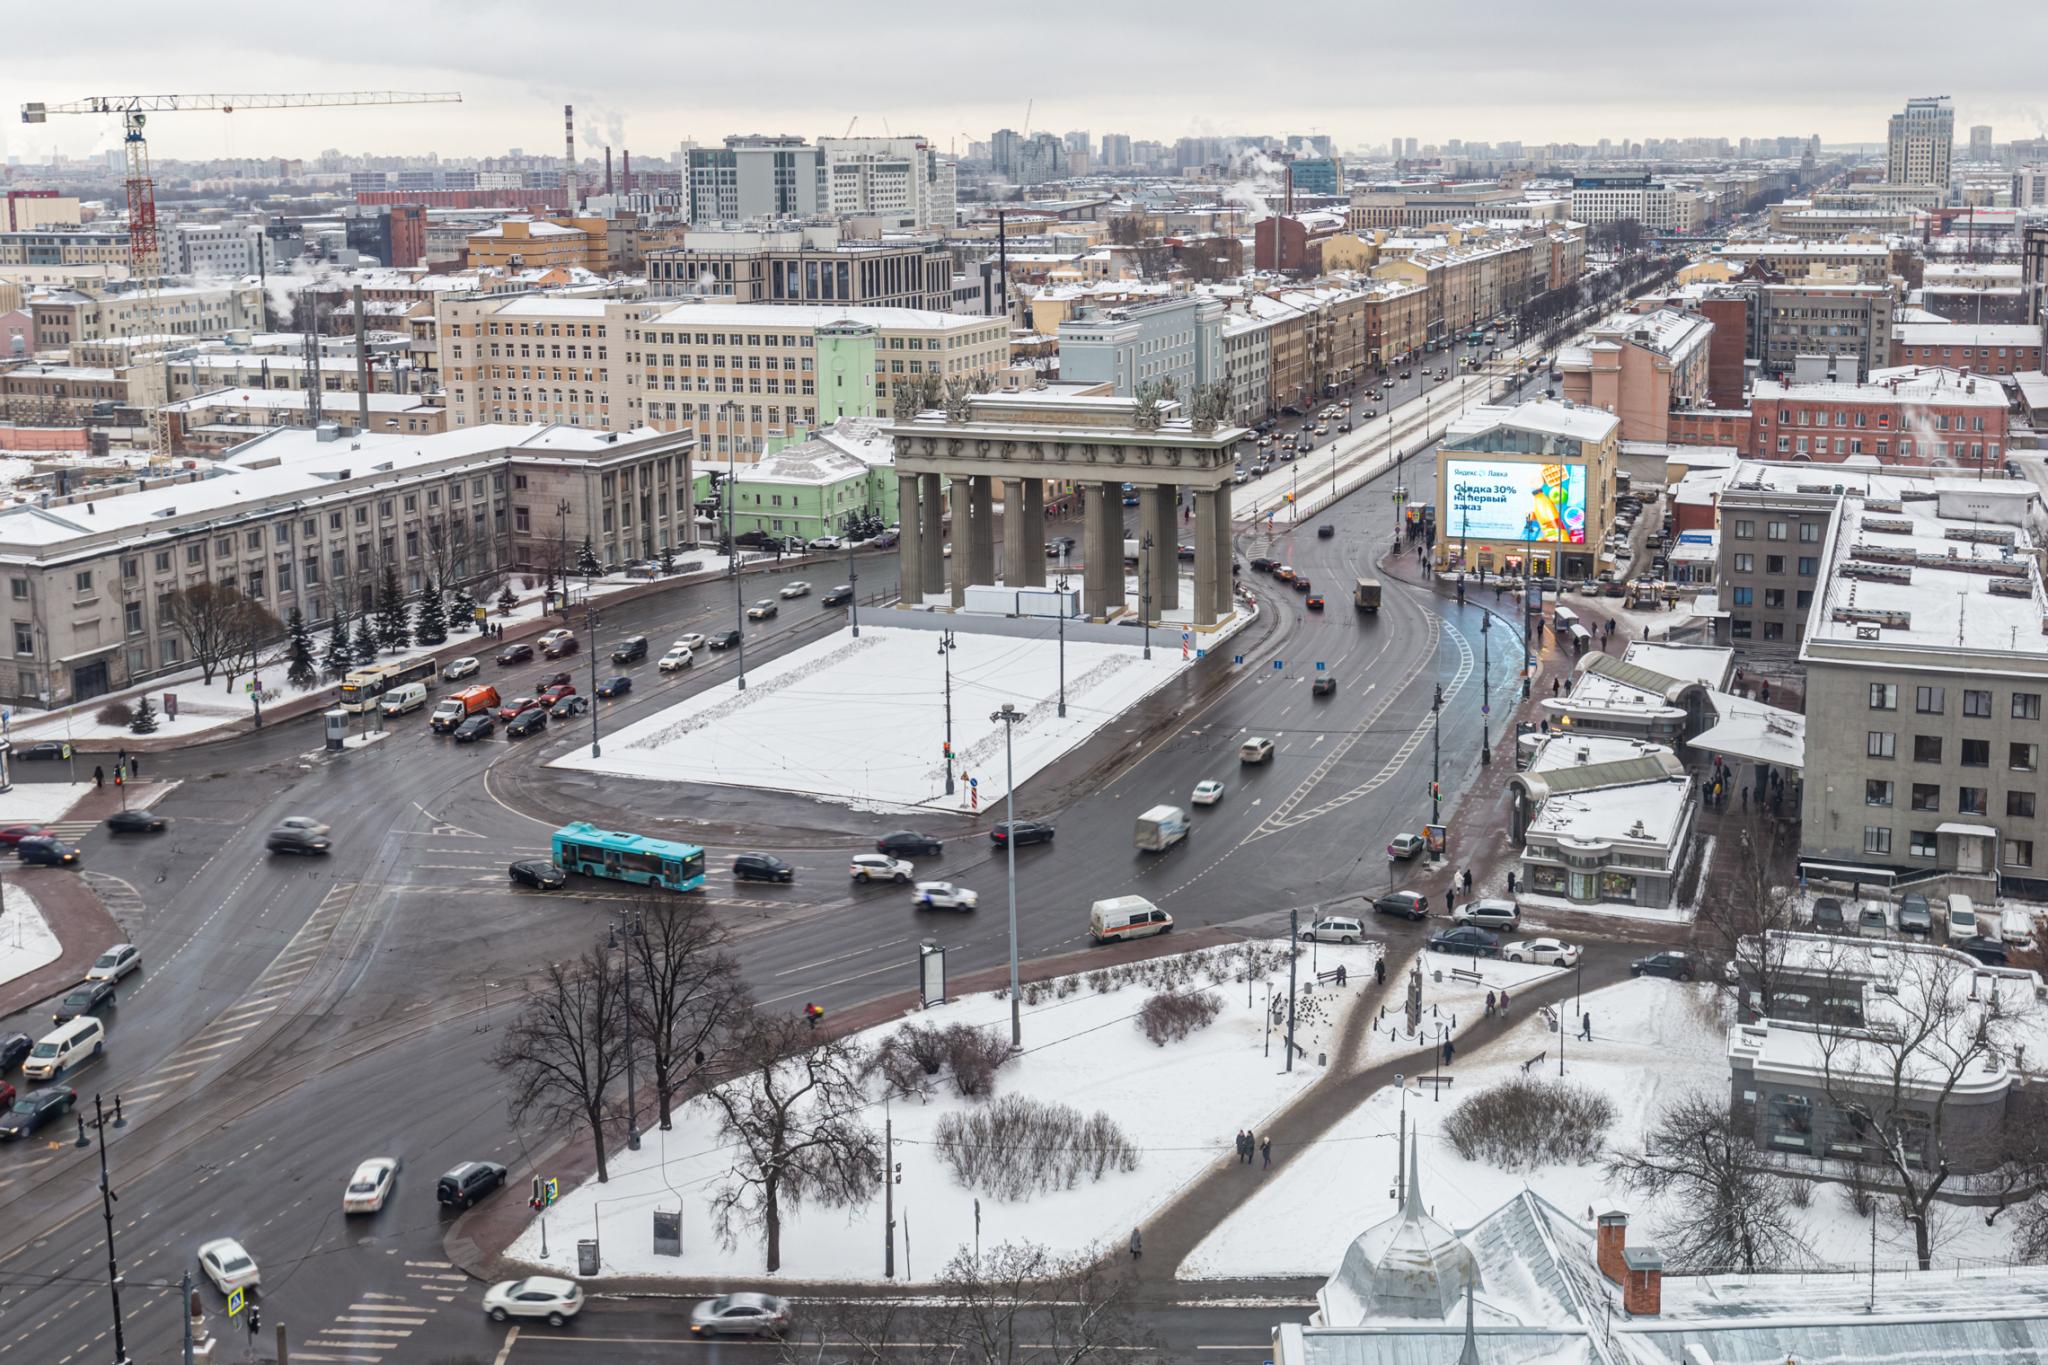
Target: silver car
740,1315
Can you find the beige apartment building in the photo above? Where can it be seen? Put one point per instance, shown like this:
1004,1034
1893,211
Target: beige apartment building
1640,370
65,246
65,317
1471,285
298,518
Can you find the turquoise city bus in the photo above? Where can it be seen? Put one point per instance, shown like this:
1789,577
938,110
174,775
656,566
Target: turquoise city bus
595,852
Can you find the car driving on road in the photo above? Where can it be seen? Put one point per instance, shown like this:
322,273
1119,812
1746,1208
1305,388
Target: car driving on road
725,639
1548,952
1676,965
944,896
763,610
793,590
370,1186
31,1111
1207,792
292,839
880,867
1469,939
228,1265
1026,832
740,1315
678,658
537,873
909,844
136,822
1406,846
115,963
88,997
1407,904
536,1296
762,867
465,667
1336,929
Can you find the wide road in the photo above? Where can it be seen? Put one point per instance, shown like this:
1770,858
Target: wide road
294,1017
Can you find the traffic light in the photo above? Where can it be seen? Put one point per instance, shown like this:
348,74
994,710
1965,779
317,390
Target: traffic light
948,747
255,1319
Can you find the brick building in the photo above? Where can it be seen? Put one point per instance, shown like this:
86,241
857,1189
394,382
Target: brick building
1995,348
1936,418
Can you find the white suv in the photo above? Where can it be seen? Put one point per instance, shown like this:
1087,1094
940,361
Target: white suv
880,867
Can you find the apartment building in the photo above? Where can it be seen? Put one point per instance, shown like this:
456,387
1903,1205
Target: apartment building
1936,418
903,181
1920,142
1248,364
1640,370
1774,521
65,246
1873,262
296,518
215,249
756,177
1924,685
811,264
71,395
1657,206
1128,348
1419,206
1850,323
542,244
1529,486
210,424
2006,348
65,317
1469,284
1799,218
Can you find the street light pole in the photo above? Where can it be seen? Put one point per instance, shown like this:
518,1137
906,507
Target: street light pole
732,549
590,618
853,587
1436,770
1145,588
100,1123
1062,582
1485,686
946,646
613,939
1009,716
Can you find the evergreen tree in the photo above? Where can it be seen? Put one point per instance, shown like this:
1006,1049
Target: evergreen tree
507,599
430,618
394,629
299,670
365,651
463,619
145,718
340,655
586,560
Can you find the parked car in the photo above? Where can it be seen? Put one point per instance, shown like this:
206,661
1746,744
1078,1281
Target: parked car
827,543
1407,904
536,1296
1674,964
528,722
1207,792
1915,916
1334,930
763,610
678,658
1026,832
229,1265
725,639
516,654
762,867
1827,915
1545,951
370,1186
740,1315
1404,846
880,867
944,896
538,873
115,963
630,650
1989,951
1873,921
34,1109
479,726
47,851
1466,938
1491,914
838,597
469,1182
467,666
614,687
136,822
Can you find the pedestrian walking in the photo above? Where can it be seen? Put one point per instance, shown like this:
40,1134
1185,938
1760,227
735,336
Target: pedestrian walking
99,776
1745,798
1450,898
1449,1051
1489,1004
1137,1244
134,767
1586,1026
1266,1152
1468,881
1503,1004
1511,883
1379,972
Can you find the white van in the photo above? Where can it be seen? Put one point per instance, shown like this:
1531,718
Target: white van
400,700
64,1048
1122,917
1964,922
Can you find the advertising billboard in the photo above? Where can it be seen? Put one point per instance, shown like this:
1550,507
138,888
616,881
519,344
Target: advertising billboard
1507,500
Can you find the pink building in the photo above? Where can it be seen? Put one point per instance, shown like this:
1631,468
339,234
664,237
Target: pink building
1640,370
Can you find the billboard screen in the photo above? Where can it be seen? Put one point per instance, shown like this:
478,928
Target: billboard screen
1505,500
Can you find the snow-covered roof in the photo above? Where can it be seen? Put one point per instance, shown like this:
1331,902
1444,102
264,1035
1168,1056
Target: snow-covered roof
803,317
861,437
295,400
1755,730
534,228
1905,383
1965,334
1571,420
807,463
1406,1266
1708,665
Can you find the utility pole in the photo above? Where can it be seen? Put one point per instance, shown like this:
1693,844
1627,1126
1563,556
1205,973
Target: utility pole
624,942
1485,686
732,549
1061,583
185,1304
1009,716
1145,588
1293,957
99,1125
853,587
590,616
888,1193
562,555
946,652
1436,757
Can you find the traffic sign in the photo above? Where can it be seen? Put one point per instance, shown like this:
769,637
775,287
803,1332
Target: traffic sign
1237,658
1320,665
238,1299
1277,665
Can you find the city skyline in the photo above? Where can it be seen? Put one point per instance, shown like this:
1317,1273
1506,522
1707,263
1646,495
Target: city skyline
1165,88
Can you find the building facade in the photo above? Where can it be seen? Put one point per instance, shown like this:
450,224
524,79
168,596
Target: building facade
542,244
1850,322
1180,339
1921,140
1641,370
1526,488
1934,418
903,181
804,265
756,177
2008,348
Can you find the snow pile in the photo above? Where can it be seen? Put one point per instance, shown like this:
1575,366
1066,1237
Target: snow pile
863,721
40,802
26,943
1179,1105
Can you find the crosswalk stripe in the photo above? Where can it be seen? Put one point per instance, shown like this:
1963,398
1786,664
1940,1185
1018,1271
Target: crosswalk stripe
433,1265
395,1322
344,1359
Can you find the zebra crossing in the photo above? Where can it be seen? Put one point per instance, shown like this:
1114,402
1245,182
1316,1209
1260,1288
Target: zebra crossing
122,900
71,831
373,1325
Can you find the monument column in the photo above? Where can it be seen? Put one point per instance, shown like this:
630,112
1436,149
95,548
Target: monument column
1156,565
1028,526
959,572
1112,532
932,542
1205,557
1096,567
1226,582
1165,528
910,541
981,557
1017,544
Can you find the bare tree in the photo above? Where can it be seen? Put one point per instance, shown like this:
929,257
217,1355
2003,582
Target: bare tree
223,629
687,992
1732,1205
566,1049
1747,910
793,1116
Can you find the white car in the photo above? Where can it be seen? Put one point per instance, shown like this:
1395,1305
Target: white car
1548,951
880,867
228,1266
536,1296
304,822
678,658
464,667
556,634
945,896
691,640
763,610
798,589
1334,930
828,543
370,1186
115,963
1208,792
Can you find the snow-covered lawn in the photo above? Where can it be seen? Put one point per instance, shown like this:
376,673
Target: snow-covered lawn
1180,1104
862,721
26,942
40,802
1653,1040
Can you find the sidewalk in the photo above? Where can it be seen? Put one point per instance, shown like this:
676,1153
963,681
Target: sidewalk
75,915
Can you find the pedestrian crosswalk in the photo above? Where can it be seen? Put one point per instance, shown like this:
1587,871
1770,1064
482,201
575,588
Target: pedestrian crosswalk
122,900
71,831
369,1328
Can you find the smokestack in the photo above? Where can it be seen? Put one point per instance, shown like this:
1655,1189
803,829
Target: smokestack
626,172
607,172
569,157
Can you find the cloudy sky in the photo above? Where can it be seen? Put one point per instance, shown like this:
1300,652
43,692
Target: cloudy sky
647,74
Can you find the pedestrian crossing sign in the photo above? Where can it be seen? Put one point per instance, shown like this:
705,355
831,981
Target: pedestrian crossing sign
238,1299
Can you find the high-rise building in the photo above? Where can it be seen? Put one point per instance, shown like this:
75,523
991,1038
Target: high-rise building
1922,139
756,177
1413,148
1980,142
1002,150
1080,141
1116,150
1042,158
901,180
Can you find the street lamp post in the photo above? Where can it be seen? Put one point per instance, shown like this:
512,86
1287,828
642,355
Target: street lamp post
1009,716
590,619
853,587
732,549
1061,581
562,555
1485,686
946,648
623,942
1436,769
1145,588
99,1124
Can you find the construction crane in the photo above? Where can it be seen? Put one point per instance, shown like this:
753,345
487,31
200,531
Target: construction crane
145,260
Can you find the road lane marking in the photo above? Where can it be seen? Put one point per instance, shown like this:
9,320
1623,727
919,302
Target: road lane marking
504,1351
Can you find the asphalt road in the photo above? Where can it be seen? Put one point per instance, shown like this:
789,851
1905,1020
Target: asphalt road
296,1016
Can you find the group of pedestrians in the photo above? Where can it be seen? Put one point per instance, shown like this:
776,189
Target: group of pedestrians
1250,1145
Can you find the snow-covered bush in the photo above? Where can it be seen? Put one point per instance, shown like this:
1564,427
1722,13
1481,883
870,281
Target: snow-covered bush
1017,1147
1527,1122
1172,1015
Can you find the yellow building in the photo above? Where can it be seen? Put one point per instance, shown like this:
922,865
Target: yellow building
544,244
1707,272
1349,251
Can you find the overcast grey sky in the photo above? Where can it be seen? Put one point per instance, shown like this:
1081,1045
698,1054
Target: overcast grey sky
646,74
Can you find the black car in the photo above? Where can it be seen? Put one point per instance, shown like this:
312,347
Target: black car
1058,546
615,687
1027,832
627,651
530,721
515,654
1323,686
1678,966
13,1048
135,822
469,1182
567,644
88,997
482,725
552,680
288,839
1325,531
724,639
46,851
838,597
1827,915
906,843
35,1109
538,874
1466,938
49,748
1985,949
762,867
570,706
1261,564
1407,904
